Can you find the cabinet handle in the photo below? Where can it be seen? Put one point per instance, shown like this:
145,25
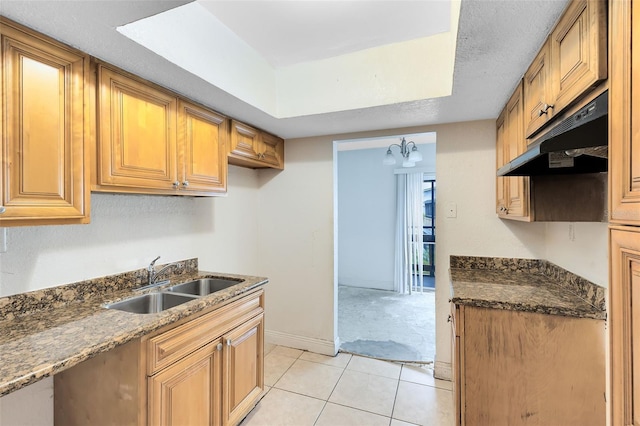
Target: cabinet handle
185,183
544,110
219,347
176,184
2,209
449,318
228,342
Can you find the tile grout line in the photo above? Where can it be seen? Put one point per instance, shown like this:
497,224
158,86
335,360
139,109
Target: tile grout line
362,372
332,390
360,409
285,371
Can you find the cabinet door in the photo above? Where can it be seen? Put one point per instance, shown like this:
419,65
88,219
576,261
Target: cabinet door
272,151
578,50
187,392
515,144
624,318
624,114
524,368
137,137
43,178
501,160
245,141
244,369
538,98
203,148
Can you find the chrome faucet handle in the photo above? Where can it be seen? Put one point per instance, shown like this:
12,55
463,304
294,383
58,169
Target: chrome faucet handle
152,264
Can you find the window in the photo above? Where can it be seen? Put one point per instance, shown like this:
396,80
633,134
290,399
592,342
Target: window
429,227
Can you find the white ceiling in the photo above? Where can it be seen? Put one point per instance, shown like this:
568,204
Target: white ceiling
326,64
496,42
290,32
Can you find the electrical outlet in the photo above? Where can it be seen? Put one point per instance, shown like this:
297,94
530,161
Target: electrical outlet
572,231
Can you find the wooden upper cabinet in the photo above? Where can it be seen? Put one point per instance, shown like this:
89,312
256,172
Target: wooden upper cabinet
512,193
572,61
254,148
245,141
624,114
272,151
152,142
518,188
203,144
501,160
538,96
137,134
578,51
45,131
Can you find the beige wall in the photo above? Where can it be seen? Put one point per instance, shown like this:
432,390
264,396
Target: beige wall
581,248
296,246
297,243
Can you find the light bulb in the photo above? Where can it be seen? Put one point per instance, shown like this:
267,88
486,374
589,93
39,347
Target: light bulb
415,155
407,162
389,159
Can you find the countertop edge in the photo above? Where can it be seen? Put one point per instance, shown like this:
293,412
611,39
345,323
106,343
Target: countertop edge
521,307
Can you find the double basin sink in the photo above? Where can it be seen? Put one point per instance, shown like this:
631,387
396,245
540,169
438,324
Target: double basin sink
173,296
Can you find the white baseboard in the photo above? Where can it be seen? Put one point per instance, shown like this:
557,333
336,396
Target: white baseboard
442,370
319,346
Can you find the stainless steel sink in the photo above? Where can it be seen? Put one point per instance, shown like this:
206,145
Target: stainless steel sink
150,303
203,286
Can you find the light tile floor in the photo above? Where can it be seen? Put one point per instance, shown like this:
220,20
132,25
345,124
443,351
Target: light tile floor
308,389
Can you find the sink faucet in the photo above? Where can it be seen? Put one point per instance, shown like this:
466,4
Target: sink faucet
153,275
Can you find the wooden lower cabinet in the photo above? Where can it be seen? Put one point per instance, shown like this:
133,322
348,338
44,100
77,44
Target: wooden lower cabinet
188,392
624,312
523,368
244,369
203,371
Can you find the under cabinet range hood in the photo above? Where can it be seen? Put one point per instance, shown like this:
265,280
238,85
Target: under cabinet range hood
577,144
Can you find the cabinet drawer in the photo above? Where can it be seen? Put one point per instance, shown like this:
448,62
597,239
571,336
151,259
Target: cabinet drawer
166,348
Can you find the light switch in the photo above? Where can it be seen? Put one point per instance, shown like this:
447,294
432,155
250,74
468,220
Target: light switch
452,210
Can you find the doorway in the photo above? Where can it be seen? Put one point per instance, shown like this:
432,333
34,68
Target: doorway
374,319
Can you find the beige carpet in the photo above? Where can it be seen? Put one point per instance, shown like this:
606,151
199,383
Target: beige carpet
387,325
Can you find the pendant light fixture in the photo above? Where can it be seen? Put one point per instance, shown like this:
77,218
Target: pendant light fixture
410,156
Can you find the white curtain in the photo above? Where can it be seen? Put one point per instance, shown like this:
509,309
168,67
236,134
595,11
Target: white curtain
409,221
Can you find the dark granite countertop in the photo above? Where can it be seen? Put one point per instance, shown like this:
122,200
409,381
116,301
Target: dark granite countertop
47,331
524,285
